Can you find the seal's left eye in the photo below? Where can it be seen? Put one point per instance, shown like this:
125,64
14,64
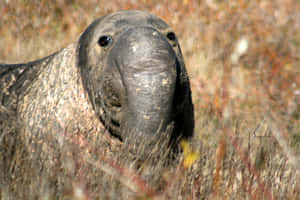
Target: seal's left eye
105,41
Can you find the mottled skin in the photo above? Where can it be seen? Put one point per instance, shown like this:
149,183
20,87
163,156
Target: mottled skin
134,84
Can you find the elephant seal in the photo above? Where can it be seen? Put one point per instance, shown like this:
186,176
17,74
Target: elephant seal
125,74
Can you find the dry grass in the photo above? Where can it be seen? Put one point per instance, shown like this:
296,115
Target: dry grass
243,60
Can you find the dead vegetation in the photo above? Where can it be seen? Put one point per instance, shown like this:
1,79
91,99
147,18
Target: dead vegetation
243,60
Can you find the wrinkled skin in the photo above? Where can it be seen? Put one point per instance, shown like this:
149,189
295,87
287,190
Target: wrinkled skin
137,83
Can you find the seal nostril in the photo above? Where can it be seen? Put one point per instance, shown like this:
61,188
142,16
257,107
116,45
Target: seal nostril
105,41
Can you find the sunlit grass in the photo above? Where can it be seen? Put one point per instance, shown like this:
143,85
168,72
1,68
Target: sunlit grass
243,62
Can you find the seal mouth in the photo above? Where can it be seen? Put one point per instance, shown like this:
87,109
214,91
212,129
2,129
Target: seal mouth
110,111
112,118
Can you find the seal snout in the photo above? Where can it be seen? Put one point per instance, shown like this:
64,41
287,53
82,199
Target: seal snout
146,64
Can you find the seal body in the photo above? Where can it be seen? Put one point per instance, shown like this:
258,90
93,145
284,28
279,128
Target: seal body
123,81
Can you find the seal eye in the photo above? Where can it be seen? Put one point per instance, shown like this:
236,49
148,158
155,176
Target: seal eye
105,41
171,36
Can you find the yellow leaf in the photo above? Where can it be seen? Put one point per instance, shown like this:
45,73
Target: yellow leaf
189,156
190,159
185,147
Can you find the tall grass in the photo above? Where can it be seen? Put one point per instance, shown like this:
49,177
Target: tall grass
243,60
